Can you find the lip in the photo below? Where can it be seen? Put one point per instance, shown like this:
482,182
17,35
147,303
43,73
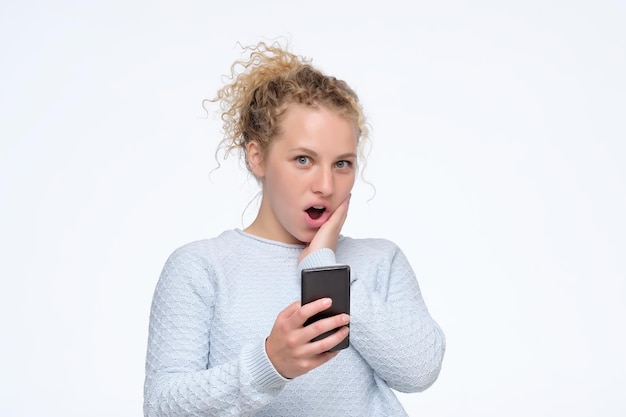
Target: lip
317,223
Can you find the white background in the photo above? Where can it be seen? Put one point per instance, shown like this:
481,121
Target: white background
498,157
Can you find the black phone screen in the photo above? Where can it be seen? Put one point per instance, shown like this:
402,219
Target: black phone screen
332,282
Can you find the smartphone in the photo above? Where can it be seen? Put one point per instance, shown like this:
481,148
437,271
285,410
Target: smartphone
332,282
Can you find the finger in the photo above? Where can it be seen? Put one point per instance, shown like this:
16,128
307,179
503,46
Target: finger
338,218
328,234
322,326
310,309
329,342
343,212
345,204
290,310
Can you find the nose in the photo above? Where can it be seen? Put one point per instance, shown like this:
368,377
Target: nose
324,182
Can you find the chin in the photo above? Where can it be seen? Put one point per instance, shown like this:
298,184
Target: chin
305,237
303,240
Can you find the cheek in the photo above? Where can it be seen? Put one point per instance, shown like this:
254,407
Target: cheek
283,190
349,182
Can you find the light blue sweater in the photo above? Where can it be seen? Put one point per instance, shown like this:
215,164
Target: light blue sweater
216,302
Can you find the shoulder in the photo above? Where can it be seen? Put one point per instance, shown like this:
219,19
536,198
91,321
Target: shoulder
196,264
375,260
376,247
203,252
372,252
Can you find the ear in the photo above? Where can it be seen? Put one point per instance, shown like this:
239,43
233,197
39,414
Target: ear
254,156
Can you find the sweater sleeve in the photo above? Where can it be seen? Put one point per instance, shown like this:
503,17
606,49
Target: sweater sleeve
392,329
179,381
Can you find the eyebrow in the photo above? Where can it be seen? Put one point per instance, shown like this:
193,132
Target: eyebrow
313,153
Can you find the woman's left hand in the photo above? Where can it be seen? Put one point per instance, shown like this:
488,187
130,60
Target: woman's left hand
327,235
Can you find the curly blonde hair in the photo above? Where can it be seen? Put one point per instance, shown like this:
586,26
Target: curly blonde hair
263,86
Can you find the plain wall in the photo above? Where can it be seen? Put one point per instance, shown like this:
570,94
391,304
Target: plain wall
498,157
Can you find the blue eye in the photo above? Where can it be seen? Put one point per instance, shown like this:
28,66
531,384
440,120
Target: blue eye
343,164
302,160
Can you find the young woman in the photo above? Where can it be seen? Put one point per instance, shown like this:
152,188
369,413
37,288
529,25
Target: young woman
227,334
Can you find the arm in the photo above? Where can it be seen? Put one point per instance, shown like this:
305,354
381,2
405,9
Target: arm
389,323
178,382
392,328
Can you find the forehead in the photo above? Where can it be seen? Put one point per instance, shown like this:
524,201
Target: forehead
316,127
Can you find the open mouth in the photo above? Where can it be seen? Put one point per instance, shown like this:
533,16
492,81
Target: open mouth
315,212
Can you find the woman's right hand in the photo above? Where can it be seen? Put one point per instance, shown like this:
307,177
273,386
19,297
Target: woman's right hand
289,345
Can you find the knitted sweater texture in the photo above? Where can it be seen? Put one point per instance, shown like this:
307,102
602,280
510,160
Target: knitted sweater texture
217,299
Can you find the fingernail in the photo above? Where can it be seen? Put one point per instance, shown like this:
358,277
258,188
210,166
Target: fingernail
327,301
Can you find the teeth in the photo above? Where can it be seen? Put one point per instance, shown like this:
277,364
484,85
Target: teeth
318,207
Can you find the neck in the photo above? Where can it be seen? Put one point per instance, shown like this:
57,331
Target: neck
267,226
